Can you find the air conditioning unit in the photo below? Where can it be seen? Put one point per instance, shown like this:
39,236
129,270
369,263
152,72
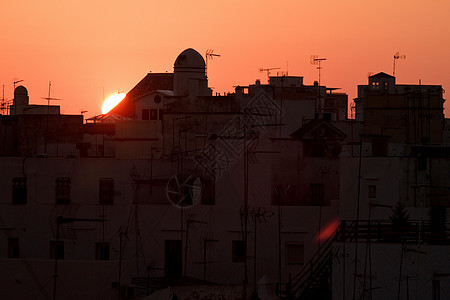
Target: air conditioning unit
128,292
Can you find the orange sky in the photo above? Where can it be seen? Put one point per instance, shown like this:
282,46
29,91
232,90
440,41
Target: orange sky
85,47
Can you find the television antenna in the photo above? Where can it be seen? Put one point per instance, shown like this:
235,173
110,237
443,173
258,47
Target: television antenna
315,60
4,104
49,98
209,55
268,71
16,81
397,56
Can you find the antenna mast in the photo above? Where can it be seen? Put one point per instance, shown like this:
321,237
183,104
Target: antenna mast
209,55
315,60
49,98
397,56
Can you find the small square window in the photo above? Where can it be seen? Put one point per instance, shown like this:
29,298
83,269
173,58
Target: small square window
62,190
56,250
422,163
327,116
372,191
19,190
106,191
102,251
239,253
13,248
208,193
153,114
294,253
145,114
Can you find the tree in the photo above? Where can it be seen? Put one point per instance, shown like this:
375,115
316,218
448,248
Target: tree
400,218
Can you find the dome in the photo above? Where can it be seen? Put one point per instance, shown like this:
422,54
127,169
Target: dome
190,58
20,90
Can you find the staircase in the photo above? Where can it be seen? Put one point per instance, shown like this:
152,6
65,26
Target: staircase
314,280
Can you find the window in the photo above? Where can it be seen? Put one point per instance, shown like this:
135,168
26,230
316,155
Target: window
157,99
102,251
372,191
422,163
19,190
294,253
425,140
380,146
56,250
208,193
153,114
62,190
172,258
317,198
106,191
13,248
239,253
436,289
145,114
161,114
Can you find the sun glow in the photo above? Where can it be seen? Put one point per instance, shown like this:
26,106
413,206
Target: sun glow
111,102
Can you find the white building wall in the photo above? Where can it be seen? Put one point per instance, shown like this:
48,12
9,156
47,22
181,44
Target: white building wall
149,225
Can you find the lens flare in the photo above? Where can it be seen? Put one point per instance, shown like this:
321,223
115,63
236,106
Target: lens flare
111,102
328,230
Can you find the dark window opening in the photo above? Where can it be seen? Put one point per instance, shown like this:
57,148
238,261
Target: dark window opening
153,114
209,194
62,190
56,250
317,194
157,99
294,253
327,116
422,163
19,190
161,114
13,248
145,114
172,258
102,251
379,146
372,191
239,253
106,191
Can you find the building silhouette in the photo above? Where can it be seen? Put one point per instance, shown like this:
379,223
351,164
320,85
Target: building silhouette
269,190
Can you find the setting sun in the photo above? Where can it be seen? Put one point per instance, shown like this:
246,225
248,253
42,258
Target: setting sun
111,102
